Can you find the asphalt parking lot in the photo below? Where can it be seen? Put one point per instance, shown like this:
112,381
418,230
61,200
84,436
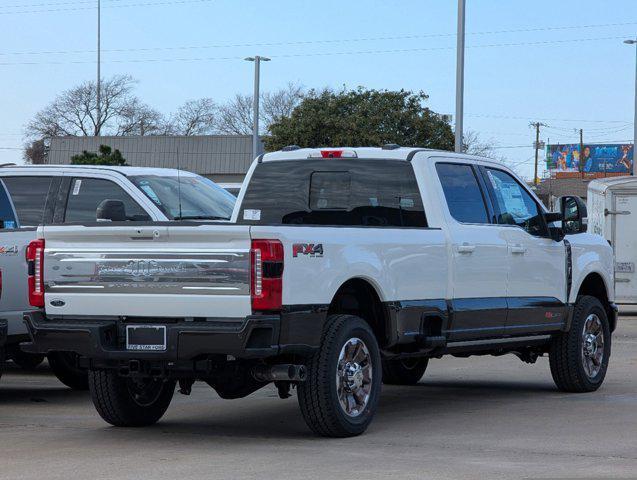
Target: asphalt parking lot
481,417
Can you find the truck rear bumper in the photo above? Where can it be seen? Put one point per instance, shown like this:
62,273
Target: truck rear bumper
255,336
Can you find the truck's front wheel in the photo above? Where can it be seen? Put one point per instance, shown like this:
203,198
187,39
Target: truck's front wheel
579,357
124,402
341,393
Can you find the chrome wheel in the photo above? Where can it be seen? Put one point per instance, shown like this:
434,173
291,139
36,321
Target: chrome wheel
354,377
592,345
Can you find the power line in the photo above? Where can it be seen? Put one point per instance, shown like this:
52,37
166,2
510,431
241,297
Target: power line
147,4
512,117
306,42
53,4
315,54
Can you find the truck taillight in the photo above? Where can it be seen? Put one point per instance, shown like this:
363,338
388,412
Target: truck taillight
35,262
266,259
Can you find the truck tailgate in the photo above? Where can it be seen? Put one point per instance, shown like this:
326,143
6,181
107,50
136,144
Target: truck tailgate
154,271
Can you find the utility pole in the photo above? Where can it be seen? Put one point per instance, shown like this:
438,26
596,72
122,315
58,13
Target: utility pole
98,127
460,75
581,152
537,126
255,102
632,170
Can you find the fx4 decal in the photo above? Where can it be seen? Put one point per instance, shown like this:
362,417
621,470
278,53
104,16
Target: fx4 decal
310,249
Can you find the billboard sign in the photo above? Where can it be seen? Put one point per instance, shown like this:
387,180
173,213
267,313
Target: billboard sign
597,158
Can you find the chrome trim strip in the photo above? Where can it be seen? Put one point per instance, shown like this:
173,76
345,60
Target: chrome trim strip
148,272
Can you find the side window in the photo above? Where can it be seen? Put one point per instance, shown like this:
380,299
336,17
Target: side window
86,194
373,193
462,192
7,216
515,205
29,196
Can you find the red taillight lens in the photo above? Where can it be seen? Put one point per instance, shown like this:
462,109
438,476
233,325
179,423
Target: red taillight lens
331,153
35,262
267,275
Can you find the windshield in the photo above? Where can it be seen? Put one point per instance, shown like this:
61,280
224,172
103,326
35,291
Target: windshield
201,199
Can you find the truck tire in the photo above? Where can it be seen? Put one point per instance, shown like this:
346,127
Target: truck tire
579,357
64,367
123,402
26,361
342,390
403,371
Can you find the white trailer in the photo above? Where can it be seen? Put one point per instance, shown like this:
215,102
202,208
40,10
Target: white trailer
612,213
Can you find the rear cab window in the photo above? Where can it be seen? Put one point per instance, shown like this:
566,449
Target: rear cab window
29,195
462,191
339,192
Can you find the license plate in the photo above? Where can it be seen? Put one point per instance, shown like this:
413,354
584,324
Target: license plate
146,337
624,267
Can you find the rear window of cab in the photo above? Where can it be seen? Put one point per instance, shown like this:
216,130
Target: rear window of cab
340,192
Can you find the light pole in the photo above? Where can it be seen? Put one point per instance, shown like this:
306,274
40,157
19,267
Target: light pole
460,75
99,73
632,170
255,102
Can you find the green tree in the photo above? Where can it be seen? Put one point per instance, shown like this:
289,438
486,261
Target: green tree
106,156
361,117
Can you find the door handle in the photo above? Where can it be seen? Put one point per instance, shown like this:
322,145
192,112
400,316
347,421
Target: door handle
518,249
144,234
466,248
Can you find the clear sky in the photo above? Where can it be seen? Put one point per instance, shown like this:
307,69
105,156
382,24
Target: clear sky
567,67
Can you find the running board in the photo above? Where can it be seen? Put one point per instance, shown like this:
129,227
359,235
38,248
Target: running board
498,344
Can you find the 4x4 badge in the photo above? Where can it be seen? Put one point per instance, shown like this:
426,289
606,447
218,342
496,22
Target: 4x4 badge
310,249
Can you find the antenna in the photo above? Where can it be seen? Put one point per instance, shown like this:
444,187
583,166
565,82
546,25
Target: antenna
179,183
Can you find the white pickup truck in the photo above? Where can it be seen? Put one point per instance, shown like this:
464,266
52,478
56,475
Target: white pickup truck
63,195
339,270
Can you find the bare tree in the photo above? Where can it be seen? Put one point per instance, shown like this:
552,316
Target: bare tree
235,117
36,152
473,145
280,103
195,117
140,119
74,112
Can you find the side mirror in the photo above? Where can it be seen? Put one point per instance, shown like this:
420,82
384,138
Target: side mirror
111,211
574,215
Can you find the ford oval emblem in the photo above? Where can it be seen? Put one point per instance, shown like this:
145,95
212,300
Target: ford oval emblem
57,303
